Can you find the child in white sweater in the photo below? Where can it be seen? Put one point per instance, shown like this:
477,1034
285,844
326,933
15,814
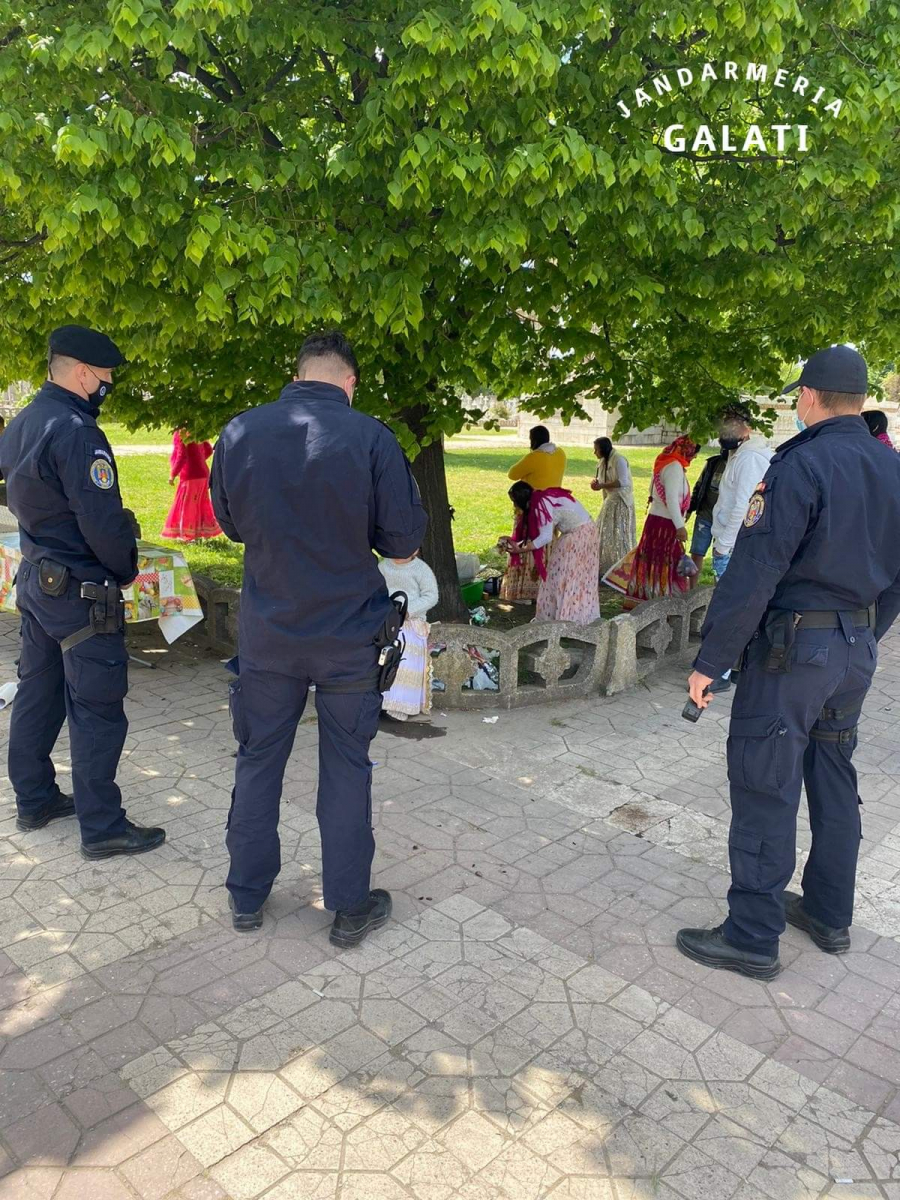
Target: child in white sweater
410,694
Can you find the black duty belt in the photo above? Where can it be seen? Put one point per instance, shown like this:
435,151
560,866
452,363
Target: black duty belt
863,617
780,626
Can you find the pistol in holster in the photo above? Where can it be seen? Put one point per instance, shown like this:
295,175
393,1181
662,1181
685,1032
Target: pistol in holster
780,627
106,615
389,643
108,609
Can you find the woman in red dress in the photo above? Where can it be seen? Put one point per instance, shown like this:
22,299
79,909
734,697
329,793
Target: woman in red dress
191,515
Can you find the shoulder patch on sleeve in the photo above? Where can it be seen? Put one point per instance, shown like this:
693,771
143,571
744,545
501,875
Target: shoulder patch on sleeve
102,474
755,509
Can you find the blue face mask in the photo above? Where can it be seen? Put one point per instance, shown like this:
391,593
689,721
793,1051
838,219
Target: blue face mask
800,423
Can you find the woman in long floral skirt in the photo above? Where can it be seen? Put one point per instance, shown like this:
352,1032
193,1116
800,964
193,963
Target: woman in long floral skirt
648,572
616,520
569,588
542,468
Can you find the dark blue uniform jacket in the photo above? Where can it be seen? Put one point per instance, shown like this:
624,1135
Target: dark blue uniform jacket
63,489
311,487
823,533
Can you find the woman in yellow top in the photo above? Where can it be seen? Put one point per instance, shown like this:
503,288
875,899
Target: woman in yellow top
543,468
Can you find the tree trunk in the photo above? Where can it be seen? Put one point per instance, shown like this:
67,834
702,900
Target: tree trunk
437,549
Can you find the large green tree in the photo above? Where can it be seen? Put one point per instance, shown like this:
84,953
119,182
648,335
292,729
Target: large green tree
458,187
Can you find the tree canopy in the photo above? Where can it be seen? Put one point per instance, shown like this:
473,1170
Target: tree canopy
458,187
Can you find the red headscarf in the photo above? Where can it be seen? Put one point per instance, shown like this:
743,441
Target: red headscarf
682,450
539,514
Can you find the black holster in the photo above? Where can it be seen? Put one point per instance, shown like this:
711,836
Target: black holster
779,628
108,609
106,615
389,643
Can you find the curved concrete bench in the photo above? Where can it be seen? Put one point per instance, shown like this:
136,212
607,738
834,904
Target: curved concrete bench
554,660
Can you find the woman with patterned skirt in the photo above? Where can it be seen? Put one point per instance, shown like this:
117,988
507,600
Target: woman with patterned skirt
616,521
569,588
648,572
542,468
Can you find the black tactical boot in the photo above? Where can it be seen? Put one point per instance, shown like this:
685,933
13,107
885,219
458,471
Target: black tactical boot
351,925
832,941
709,947
62,806
134,840
244,922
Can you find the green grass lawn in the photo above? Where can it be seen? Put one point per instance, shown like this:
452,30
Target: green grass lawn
480,432
145,488
120,436
477,482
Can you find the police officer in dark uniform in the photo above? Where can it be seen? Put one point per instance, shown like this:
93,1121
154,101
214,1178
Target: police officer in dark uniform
311,487
78,547
813,584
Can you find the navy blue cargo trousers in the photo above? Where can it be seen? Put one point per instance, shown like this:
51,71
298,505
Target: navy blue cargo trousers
266,708
86,685
789,729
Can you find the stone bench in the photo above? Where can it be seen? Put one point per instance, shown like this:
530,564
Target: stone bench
537,662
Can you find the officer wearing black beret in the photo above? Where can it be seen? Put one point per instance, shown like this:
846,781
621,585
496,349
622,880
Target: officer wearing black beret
812,586
78,548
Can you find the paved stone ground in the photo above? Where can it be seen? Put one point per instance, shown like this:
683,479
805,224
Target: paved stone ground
523,1029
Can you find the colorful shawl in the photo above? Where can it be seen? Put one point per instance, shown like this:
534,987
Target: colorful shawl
885,438
539,514
682,451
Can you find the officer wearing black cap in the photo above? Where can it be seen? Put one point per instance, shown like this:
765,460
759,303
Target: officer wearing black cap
812,586
311,486
78,548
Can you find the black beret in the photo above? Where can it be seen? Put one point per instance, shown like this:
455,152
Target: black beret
87,345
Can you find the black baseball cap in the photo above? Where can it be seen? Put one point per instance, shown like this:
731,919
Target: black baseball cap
86,345
837,369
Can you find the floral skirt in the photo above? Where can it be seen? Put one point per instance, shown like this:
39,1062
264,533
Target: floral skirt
410,693
191,515
617,528
571,591
523,582
648,572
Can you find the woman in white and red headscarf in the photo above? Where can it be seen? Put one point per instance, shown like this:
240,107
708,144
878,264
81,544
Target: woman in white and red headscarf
568,589
648,572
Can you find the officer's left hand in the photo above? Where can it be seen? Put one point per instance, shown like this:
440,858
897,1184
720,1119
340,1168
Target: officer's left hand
133,522
697,684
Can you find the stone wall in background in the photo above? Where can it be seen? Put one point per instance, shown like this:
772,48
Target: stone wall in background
602,424
13,397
